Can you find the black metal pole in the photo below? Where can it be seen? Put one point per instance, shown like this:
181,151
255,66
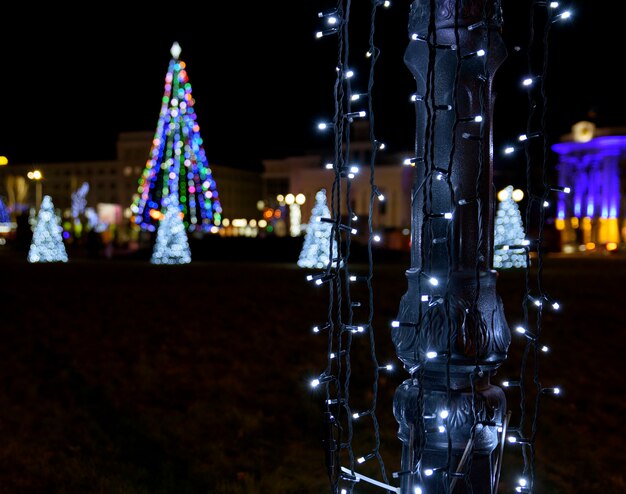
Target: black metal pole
451,334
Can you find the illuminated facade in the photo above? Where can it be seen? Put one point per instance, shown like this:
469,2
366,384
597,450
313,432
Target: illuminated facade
308,174
592,216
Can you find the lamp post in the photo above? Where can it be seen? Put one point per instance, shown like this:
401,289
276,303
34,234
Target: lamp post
37,176
451,333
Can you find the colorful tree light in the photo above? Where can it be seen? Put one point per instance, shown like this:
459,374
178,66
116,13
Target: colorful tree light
177,163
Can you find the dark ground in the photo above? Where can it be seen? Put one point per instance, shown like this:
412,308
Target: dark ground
122,377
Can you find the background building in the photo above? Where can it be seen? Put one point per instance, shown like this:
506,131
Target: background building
591,162
308,174
113,183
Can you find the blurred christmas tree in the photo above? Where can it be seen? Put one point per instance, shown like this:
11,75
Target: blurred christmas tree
177,162
172,245
509,231
315,251
47,243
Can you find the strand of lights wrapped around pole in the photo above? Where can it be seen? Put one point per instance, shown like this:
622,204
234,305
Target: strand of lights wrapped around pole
451,333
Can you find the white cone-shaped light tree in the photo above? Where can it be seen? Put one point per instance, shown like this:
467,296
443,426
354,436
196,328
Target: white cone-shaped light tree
509,231
47,243
315,251
172,244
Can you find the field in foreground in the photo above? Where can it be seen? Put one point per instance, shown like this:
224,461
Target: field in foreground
123,377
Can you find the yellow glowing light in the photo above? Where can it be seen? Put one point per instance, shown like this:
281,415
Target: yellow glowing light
611,246
590,246
262,223
517,195
503,195
260,205
239,222
225,222
35,175
4,160
156,214
583,131
252,223
290,199
300,199
559,224
574,222
280,198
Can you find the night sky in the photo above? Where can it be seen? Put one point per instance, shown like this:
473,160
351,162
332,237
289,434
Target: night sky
72,80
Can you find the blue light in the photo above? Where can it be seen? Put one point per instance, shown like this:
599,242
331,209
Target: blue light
592,169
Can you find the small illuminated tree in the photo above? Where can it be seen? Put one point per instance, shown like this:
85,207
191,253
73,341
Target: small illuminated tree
172,245
315,251
509,231
47,243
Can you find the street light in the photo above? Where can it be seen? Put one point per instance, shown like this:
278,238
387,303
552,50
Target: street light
37,176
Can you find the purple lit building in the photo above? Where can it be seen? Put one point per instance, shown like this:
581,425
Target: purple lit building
590,162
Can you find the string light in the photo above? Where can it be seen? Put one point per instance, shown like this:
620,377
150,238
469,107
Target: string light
322,379
510,384
318,329
476,119
354,328
363,459
523,331
354,277
554,391
562,16
341,305
326,32
560,188
325,126
530,81
525,137
431,279
536,154
355,114
399,324
518,440
477,53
